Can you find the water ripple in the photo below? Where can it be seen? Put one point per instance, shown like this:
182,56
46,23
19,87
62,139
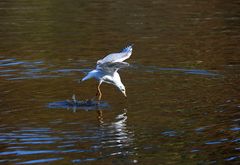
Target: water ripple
217,141
47,160
109,139
235,129
14,69
232,158
24,152
156,69
83,160
169,133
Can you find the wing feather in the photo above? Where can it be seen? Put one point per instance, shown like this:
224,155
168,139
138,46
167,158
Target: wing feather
111,68
117,57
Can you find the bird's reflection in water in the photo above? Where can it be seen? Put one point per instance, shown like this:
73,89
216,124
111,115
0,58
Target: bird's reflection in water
115,138
100,116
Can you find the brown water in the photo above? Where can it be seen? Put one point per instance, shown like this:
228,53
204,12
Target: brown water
183,84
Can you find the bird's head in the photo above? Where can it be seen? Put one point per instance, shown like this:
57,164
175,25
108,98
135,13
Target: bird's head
123,90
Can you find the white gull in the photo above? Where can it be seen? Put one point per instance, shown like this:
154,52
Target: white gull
107,70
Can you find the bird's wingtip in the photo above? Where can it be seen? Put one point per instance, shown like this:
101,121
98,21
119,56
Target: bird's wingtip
128,48
129,45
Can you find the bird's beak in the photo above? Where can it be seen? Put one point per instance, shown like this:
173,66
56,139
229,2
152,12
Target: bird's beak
124,93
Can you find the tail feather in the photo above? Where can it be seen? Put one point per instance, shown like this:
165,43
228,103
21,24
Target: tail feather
89,75
86,77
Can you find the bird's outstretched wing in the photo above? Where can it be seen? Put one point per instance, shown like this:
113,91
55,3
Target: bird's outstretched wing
117,57
110,67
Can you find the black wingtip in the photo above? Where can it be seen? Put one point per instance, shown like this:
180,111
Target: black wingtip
130,45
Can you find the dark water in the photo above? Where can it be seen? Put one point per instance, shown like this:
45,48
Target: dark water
183,84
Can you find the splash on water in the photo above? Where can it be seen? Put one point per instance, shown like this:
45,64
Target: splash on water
80,104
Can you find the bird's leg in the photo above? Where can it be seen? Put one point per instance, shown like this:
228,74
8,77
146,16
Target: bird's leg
99,93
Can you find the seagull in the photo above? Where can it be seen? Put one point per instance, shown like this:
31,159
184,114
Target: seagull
107,70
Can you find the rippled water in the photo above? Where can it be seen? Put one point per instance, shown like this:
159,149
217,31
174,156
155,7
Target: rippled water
182,85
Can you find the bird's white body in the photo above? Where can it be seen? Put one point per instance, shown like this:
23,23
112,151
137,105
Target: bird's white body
104,77
106,69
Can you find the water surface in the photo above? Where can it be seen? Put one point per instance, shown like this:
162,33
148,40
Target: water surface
182,85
